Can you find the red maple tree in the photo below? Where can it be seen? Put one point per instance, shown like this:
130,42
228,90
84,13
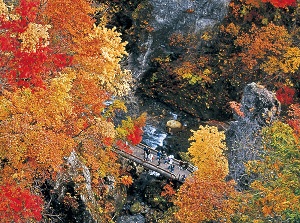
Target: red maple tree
281,3
19,205
21,66
285,95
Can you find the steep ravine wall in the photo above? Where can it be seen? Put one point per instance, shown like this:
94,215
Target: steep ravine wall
157,20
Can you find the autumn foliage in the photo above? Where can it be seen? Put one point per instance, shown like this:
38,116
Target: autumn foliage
277,183
281,3
206,195
58,70
285,95
275,3
19,205
26,57
294,118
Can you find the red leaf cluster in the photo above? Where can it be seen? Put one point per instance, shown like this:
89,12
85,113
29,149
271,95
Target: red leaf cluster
22,68
281,3
123,146
285,95
19,205
136,136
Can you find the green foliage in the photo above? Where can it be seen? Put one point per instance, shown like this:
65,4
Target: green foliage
274,195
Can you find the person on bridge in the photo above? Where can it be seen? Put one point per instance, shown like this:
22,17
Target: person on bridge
181,165
183,177
146,153
158,154
150,157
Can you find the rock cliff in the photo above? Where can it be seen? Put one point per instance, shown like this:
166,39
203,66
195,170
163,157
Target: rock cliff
259,108
157,20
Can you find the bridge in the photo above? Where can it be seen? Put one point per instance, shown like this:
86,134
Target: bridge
179,173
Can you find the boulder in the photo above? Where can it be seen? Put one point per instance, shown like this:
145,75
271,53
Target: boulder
173,126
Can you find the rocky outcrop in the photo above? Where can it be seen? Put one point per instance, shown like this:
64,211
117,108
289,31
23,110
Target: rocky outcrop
138,218
259,108
157,20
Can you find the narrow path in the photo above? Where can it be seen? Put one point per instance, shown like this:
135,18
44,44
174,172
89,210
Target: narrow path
179,173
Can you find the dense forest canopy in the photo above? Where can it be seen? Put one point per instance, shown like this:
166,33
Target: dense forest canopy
61,64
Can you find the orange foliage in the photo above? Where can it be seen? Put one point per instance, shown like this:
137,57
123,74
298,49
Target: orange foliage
126,180
236,108
201,200
70,21
168,190
206,195
260,43
255,3
32,139
294,118
39,129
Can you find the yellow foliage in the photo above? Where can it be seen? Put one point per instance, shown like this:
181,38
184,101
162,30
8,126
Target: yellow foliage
3,8
36,35
99,54
289,62
206,36
206,150
117,105
201,200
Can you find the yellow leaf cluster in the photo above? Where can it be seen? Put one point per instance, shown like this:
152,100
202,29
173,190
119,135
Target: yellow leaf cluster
289,62
192,73
207,148
99,54
3,8
232,29
36,35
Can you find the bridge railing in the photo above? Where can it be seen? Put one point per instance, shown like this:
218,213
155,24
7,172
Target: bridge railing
147,164
191,168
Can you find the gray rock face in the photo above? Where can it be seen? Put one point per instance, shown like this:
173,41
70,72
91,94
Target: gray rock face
167,17
260,108
132,219
77,168
186,15
259,105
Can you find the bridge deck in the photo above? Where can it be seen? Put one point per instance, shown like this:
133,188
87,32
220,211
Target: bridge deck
137,156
